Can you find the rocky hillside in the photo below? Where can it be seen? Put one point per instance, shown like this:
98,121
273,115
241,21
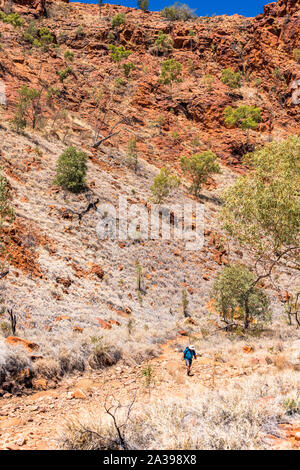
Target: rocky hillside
75,297
261,48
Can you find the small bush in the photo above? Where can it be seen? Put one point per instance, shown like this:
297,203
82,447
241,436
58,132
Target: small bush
41,38
46,38
6,211
51,94
118,53
119,83
278,74
163,184
245,117
238,298
103,356
64,73
208,81
143,4
128,68
12,18
132,156
47,368
292,405
71,360
80,33
178,12
199,167
257,81
118,20
296,55
68,55
71,170
170,72
12,361
163,43
28,107
78,437
231,78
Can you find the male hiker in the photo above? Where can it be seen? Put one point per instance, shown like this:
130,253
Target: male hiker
188,355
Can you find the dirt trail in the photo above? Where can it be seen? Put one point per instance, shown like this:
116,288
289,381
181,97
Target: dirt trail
34,421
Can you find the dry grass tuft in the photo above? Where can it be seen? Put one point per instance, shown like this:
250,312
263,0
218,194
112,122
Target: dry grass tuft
236,418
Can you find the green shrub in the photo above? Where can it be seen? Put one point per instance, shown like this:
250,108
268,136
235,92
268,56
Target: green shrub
143,4
170,72
245,117
68,55
148,375
118,53
199,167
119,83
62,37
12,18
46,38
38,37
236,297
28,107
178,12
296,55
6,211
6,216
80,33
231,78
279,75
132,156
118,20
292,406
64,73
208,81
128,68
31,32
163,184
71,170
163,43
257,81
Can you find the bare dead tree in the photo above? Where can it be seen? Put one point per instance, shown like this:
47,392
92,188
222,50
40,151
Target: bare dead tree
104,107
120,442
3,274
13,320
104,116
91,205
111,133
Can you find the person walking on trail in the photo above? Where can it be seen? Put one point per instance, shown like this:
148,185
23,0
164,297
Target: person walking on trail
188,355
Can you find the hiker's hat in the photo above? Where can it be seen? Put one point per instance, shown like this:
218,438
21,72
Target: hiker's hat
192,347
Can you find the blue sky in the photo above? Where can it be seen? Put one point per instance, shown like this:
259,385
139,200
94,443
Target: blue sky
220,7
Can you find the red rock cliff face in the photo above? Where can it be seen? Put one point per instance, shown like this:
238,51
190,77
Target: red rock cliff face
32,7
282,19
260,48
281,8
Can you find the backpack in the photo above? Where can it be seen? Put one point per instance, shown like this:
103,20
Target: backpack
188,354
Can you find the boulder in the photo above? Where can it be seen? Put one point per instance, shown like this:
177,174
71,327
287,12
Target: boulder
107,325
97,270
16,341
